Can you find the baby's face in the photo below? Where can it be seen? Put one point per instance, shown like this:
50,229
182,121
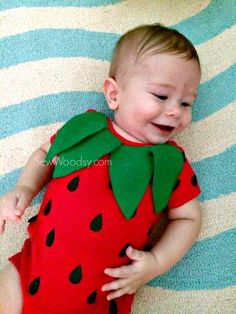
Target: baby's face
154,103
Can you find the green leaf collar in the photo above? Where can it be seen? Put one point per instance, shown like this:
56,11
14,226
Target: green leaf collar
87,137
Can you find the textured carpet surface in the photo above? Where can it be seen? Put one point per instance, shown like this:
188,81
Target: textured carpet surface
54,58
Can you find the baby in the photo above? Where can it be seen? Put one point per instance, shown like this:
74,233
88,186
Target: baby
109,182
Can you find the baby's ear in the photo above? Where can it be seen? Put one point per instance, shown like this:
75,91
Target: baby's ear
111,92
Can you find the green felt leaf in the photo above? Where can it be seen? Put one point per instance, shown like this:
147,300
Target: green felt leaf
86,152
86,138
75,130
168,163
130,172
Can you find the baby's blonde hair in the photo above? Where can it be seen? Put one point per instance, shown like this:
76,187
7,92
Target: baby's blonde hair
149,39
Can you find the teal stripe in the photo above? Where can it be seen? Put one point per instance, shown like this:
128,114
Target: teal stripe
216,175
60,107
210,264
51,43
209,22
6,4
8,181
215,94
48,109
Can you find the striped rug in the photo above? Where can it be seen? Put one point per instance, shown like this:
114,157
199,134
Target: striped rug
54,58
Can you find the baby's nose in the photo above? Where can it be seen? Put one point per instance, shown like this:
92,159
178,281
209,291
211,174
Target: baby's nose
174,111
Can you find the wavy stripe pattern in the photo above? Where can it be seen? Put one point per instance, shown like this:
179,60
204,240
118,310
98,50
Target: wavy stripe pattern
158,300
5,4
77,17
53,68
64,67
201,139
185,275
211,188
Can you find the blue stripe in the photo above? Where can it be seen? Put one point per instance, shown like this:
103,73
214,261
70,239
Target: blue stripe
217,174
209,22
60,107
215,94
6,4
48,109
213,181
210,264
51,43
8,181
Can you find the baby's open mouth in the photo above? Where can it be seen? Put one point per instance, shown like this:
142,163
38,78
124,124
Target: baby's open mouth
162,127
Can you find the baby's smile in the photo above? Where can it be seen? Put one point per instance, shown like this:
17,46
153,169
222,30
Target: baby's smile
164,128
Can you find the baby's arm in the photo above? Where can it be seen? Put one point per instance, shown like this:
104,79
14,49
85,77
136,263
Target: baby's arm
181,232
33,178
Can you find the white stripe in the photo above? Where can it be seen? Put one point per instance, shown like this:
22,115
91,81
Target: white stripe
21,145
210,136
18,147
217,54
218,215
115,18
12,239
201,140
165,301
34,79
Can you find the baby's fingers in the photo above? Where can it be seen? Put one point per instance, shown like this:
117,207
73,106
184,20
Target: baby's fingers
23,202
119,272
117,294
8,205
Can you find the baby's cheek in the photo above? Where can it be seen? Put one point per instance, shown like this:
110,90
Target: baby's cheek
186,120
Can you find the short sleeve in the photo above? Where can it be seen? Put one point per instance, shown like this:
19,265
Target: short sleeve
186,187
52,138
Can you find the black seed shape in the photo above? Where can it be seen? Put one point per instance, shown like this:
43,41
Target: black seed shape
73,184
76,275
92,297
47,208
34,286
96,223
194,180
113,309
176,184
123,250
110,186
184,156
33,219
50,238
150,230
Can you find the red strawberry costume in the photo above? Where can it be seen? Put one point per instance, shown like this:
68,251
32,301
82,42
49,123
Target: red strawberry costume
106,194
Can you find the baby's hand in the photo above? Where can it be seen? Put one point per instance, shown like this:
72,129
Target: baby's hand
144,267
13,204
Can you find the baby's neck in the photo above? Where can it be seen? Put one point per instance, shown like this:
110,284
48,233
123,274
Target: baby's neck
124,134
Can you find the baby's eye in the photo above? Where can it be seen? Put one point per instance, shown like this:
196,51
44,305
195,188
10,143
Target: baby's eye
161,97
185,104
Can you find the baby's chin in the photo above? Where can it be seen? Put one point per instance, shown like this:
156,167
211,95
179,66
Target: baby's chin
159,140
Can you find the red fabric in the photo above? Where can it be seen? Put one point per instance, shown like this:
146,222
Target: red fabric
80,227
